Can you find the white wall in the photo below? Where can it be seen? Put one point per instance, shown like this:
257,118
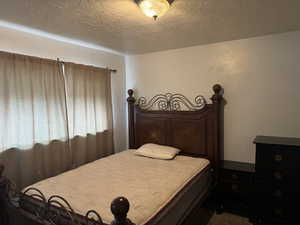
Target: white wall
261,78
12,40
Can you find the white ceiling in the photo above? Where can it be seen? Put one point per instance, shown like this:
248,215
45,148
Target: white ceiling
120,25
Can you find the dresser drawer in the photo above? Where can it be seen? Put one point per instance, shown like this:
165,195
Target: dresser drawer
234,176
267,192
235,188
276,211
278,176
280,157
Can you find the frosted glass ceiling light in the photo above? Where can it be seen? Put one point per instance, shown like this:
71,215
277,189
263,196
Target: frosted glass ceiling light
154,8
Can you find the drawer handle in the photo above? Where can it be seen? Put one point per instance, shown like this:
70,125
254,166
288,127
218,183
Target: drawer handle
234,187
277,175
278,193
234,176
278,158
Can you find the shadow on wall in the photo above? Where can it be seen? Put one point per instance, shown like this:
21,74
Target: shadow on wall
26,167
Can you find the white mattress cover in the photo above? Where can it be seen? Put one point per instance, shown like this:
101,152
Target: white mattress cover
149,184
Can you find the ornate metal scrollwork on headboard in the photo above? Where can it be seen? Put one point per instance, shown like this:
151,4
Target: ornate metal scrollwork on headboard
172,102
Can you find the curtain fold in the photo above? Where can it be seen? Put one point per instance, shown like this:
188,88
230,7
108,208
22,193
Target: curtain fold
32,105
33,118
89,107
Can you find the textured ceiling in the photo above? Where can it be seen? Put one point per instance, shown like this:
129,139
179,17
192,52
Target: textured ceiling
120,25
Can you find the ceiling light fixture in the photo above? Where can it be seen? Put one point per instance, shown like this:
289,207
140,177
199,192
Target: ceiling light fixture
154,8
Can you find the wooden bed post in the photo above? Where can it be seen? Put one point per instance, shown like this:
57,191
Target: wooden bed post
119,208
217,100
4,198
131,101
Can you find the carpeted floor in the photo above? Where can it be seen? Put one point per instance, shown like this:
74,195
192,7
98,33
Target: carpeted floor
228,219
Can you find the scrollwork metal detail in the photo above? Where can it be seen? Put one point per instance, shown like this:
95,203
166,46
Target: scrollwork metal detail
172,102
93,218
56,210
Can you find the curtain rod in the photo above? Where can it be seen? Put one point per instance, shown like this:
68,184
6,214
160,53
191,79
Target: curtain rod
110,70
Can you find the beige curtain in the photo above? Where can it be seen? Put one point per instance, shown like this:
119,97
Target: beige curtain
51,121
89,112
33,121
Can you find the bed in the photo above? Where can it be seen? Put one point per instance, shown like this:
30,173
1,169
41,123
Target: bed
161,192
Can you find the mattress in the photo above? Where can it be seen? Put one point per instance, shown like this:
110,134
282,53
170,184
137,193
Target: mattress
152,186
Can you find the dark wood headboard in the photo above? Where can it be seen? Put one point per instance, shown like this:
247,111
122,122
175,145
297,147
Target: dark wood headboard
174,120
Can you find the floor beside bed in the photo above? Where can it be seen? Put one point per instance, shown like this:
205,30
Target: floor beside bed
228,219
205,215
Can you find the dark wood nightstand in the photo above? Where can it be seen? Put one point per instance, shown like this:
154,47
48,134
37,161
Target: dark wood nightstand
235,188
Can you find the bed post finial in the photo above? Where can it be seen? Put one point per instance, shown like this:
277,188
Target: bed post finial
218,93
130,92
131,102
120,208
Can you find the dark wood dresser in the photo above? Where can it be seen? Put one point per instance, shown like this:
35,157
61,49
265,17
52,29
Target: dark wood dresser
235,187
277,183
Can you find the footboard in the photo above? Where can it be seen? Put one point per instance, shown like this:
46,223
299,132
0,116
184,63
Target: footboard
32,205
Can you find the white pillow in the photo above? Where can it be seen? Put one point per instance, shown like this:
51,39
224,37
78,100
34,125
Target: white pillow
157,151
